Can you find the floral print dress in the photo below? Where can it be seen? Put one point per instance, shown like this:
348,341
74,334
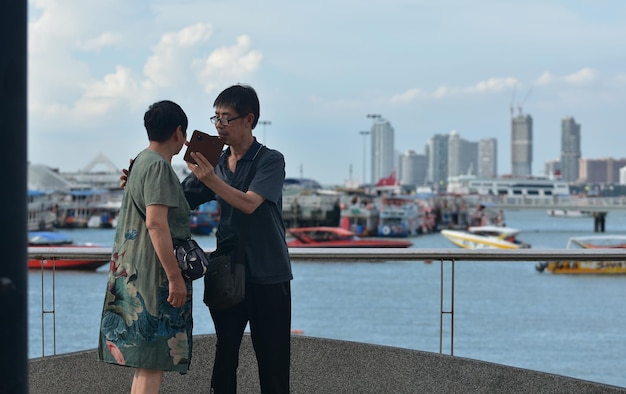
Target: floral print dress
139,328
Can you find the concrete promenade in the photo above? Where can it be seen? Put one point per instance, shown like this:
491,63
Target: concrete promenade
317,366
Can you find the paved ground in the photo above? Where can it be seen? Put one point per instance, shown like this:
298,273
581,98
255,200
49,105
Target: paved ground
318,366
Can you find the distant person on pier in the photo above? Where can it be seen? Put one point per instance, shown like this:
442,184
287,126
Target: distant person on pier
146,319
478,217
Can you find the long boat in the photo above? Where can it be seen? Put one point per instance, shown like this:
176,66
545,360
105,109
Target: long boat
485,237
47,239
589,267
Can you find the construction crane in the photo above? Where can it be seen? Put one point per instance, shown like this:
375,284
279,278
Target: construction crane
521,104
519,107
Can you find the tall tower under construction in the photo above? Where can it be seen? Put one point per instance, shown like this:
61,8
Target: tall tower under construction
521,145
570,149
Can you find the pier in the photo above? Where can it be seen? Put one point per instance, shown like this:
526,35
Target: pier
325,365
317,366
596,207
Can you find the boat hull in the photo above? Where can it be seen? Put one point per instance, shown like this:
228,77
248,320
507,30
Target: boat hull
584,267
62,264
353,244
337,237
469,241
596,267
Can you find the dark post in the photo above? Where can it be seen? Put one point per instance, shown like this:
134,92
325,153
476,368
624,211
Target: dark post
13,278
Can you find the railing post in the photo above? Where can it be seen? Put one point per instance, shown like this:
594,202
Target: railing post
442,311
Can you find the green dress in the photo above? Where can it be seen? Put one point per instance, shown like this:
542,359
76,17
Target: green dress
139,328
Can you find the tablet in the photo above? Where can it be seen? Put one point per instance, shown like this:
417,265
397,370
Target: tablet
209,145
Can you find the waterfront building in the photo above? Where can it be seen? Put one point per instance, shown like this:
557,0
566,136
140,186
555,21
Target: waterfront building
413,169
488,158
507,187
601,170
552,169
570,149
437,148
521,145
382,149
462,155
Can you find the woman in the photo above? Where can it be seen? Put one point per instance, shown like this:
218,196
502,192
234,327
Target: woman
146,319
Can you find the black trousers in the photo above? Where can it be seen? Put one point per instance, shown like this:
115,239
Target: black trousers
268,310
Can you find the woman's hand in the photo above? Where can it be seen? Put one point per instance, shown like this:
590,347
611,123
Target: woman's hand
124,176
177,291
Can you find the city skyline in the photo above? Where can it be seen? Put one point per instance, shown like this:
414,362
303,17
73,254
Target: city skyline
320,69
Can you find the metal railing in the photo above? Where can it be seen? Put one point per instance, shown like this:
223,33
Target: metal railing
450,256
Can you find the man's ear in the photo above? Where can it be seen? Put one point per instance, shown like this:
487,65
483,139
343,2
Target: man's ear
250,118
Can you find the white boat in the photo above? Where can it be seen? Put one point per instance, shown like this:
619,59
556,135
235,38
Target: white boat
399,216
306,203
41,211
589,267
564,213
485,237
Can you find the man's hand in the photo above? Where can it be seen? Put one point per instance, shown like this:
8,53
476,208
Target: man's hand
203,170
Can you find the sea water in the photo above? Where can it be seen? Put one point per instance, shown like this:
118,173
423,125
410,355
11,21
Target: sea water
504,312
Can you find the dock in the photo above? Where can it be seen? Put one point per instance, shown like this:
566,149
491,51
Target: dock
317,366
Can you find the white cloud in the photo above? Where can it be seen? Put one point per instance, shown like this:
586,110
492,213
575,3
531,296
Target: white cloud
167,66
441,92
228,62
407,96
544,79
581,77
493,85
103,40
584,76
119,88
621,78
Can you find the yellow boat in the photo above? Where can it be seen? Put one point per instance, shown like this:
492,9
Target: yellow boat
485,237
589,267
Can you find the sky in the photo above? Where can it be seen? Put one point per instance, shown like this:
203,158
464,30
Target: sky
319,68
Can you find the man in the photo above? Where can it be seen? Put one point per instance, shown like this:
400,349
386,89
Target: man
267,303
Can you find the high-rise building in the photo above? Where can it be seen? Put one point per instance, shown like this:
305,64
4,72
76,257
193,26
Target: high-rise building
383,157
462,156
521,146
601,170
570,149
413,169
437,148
488,158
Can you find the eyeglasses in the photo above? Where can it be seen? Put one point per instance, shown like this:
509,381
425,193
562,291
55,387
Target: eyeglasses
225,122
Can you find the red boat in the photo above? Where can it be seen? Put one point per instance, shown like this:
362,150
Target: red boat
45,240
337,237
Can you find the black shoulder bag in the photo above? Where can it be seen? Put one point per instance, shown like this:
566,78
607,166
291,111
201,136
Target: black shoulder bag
225,280
192,260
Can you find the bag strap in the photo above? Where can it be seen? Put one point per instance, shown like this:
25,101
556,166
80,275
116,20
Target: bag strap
243,234
139,211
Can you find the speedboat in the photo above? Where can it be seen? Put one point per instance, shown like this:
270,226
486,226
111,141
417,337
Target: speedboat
44,240
485,237
589,267
337,237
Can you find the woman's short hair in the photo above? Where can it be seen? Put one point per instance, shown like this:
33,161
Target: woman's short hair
162,119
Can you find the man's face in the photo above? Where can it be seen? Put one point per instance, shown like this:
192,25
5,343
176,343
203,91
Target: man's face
232,127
